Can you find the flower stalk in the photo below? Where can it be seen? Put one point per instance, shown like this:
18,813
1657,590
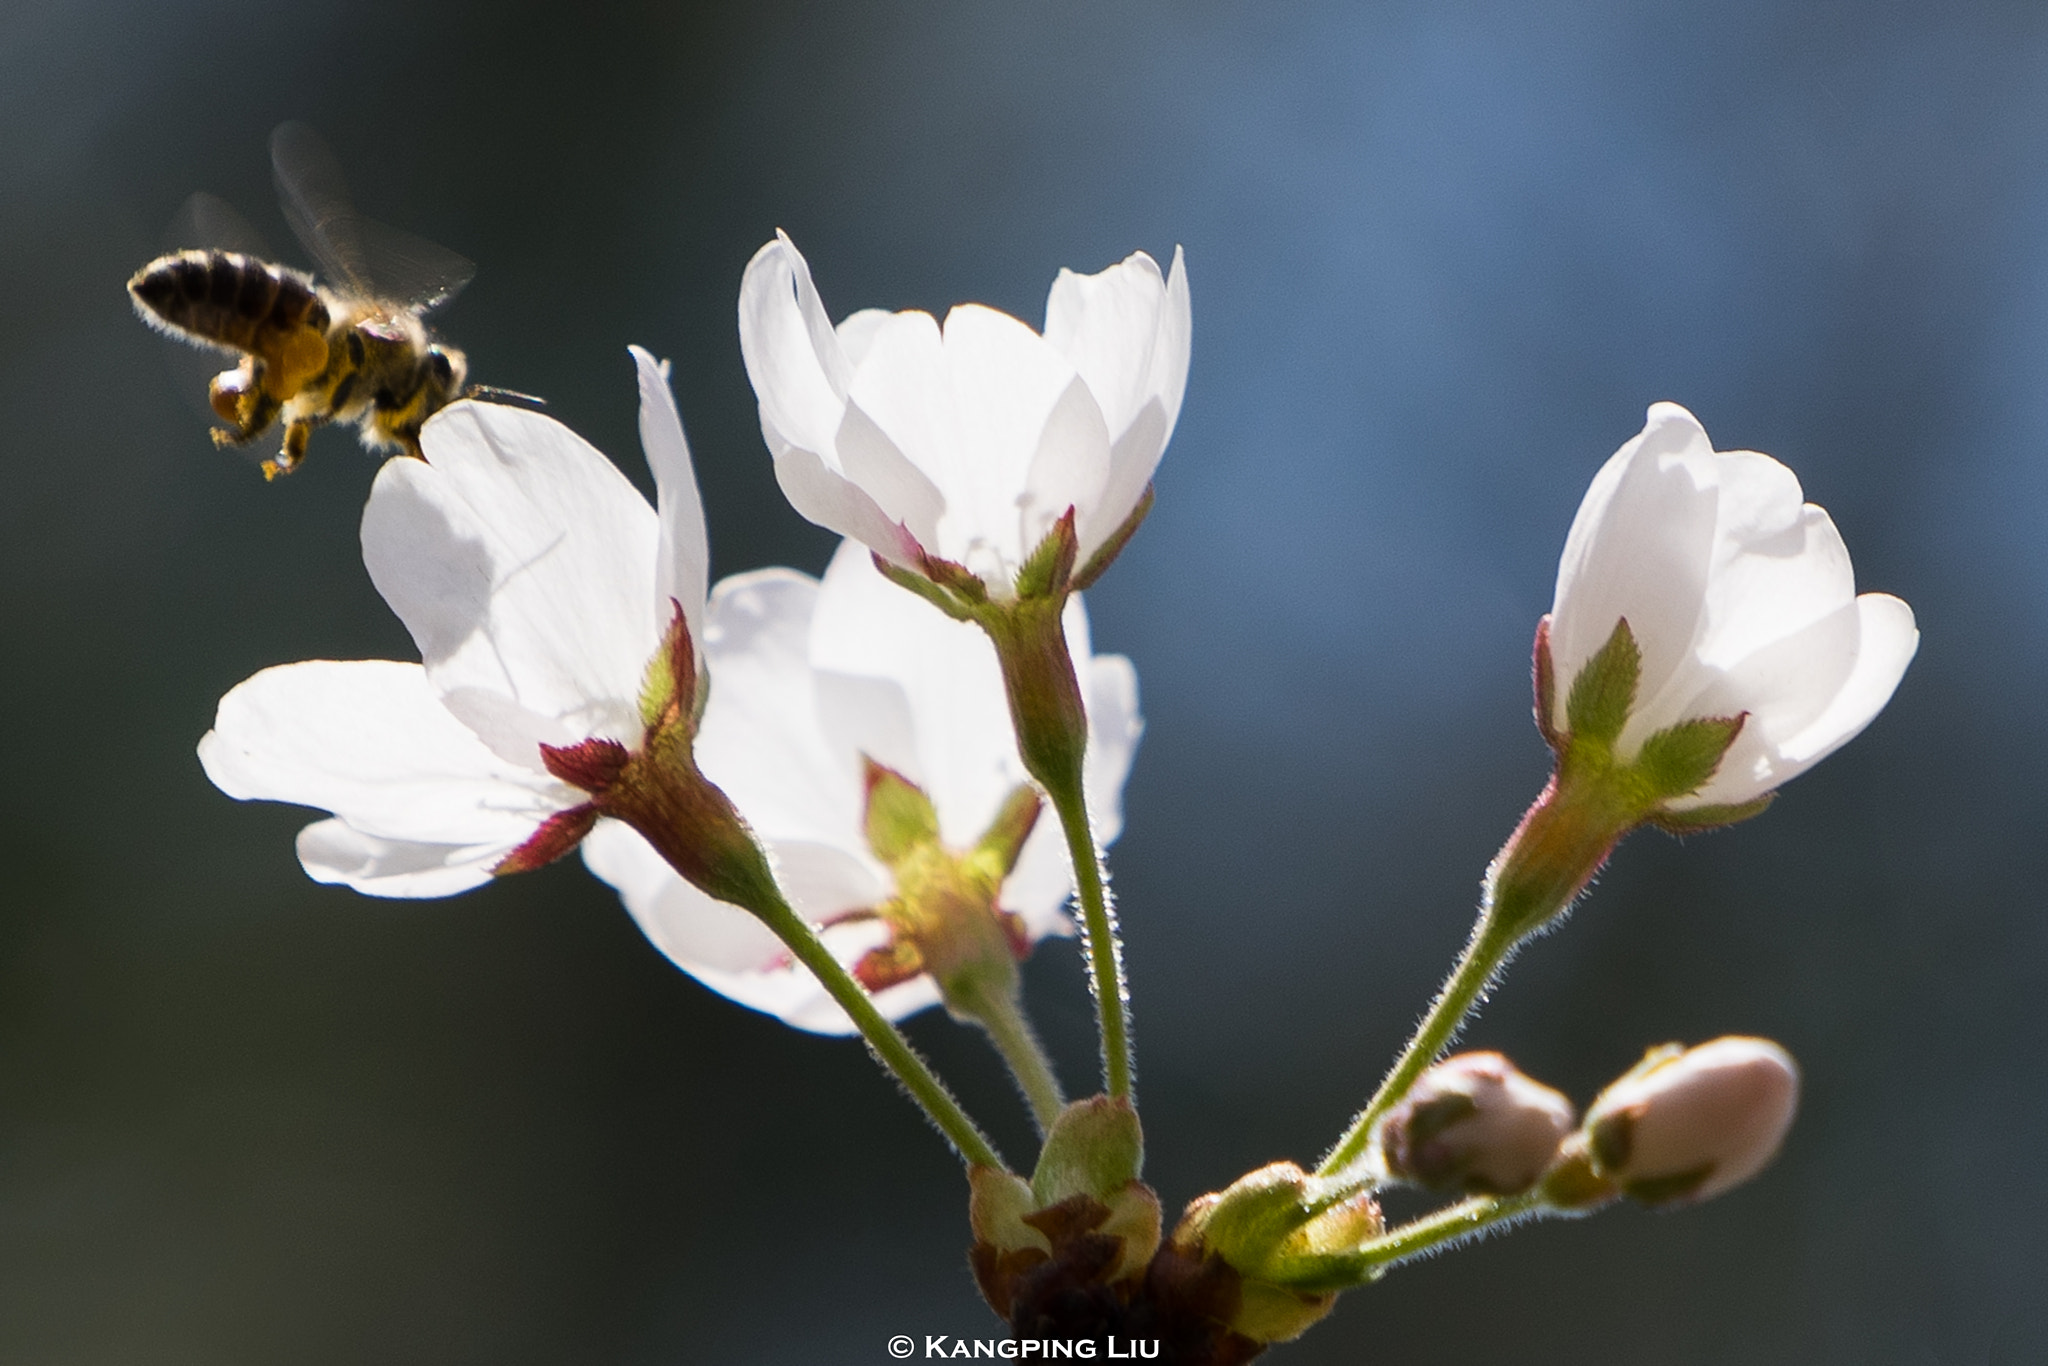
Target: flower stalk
887,1043
1443,1228
1562,841
1050,719
690,822
1000,1014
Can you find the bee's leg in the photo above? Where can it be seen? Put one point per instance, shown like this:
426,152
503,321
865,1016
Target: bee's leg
243,402
296,434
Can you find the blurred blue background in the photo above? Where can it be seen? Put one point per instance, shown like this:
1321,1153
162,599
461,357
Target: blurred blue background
1442,259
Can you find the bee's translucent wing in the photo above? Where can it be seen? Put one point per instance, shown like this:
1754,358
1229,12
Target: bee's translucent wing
356,252
315,199
206,221
409,268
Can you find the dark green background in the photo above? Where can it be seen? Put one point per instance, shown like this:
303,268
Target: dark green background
1442,258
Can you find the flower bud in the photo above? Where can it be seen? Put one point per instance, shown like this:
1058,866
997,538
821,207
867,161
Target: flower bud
1477,1123
1683,1126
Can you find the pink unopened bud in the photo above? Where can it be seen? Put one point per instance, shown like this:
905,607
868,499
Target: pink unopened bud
1684,1126
1476,1122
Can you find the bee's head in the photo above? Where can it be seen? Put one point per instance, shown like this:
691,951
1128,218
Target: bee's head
447,372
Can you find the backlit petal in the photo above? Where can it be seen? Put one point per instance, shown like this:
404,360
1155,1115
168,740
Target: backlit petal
523,563
334,851
1639,550
370,741
683,564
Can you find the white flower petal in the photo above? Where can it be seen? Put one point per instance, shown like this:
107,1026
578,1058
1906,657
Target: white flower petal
1131,464
868,716
1107,325
1768,588
760,739
1040,885
878,467
733,953
1068,470
1639,550
969,441
857,332
832,501
1742,599
1815,692
682,571
369,741
867,627
1129,336
797,366
1886,643
333,851
1114,727
1005,383
523,563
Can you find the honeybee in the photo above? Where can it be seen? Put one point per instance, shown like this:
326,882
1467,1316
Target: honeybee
354,349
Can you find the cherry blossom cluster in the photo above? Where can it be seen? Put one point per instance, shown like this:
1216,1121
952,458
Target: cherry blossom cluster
843,800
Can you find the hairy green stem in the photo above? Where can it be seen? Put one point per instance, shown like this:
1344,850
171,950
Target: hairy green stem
1001,1014
1451,1224
1105,949
1483,956
889,1046
1563,838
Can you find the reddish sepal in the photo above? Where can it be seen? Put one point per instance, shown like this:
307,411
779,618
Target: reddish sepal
558,834
893,964
1544,678
593,765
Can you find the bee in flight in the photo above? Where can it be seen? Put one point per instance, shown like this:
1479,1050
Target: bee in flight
355,348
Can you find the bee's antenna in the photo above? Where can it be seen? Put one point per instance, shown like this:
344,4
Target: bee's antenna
491,393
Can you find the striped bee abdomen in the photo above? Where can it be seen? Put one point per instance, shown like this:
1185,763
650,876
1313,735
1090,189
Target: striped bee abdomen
226,298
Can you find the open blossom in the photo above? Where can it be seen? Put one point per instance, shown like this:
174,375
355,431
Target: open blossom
967,442
537,583
1740,598
809,682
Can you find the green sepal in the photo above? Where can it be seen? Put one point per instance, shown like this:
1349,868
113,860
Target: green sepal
1111,548
997,1204
1680,759
1612,1138
1003,841
1695,819
1283,1227
1273,1313
1653,1058
1575,1185
1050,567
1660,1190
1255,1214
943,598
900,817
1605,688
1095,1148
1431,1117
671,674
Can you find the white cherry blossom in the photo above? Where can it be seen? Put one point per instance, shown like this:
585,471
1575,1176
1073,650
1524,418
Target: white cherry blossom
537,583
1740,598
967,442
806,679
